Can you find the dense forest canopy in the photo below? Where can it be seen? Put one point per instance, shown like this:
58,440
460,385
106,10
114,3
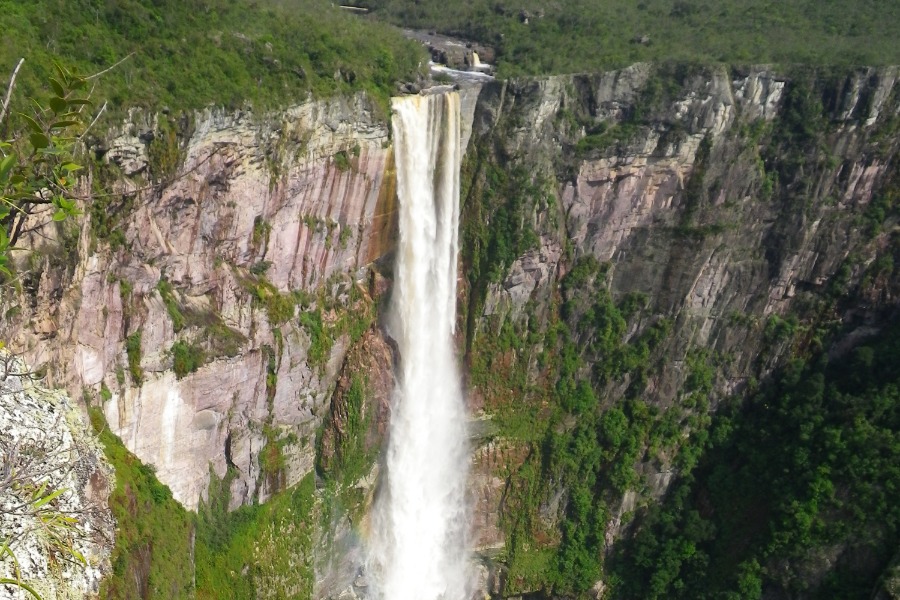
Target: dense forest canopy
192,53
533,36
808,466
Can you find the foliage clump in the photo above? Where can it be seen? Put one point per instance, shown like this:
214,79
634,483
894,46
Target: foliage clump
814,455
133,351
187,357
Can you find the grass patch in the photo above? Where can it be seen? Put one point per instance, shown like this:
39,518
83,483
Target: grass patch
320,339
173,306
187,54
187,357
133,350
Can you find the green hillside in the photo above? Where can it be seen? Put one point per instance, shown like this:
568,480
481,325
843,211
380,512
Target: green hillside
191,53
594,35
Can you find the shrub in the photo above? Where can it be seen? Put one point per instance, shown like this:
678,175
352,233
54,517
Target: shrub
186,358
133,350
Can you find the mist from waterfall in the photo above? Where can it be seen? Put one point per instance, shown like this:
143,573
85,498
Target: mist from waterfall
419,545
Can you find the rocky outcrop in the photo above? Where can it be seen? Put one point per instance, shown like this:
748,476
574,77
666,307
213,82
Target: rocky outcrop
54,487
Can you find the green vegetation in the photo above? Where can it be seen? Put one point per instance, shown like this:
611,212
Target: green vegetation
191,53
261,231
509,195
153,534
595,35
351,459
167,293
342,161
264,546
807,468
595,458
271,459
568,439
187,357
601,136
159,544
133,350
353,319
164,153
218,339
320,340
38,162
280,307
499,201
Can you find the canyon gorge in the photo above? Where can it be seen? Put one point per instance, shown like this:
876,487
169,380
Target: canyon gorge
638,250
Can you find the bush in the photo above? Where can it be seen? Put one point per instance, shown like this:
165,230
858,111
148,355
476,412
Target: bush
173,307
320,340
186,358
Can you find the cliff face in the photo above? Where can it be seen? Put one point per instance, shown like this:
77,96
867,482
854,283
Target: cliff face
725,220
702,204
210,225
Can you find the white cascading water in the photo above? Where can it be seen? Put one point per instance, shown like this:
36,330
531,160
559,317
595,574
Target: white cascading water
420,524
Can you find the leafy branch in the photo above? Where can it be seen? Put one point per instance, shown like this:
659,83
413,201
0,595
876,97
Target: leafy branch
37,161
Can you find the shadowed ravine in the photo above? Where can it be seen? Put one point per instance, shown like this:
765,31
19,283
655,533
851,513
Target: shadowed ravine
420,525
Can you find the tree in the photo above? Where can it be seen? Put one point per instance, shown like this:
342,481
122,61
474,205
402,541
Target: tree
37,156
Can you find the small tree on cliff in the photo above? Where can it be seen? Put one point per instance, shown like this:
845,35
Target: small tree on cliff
37,156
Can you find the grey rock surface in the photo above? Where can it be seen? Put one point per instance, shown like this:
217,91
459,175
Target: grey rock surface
51,467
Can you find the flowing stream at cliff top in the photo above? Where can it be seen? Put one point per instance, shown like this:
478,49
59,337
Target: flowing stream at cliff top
420,524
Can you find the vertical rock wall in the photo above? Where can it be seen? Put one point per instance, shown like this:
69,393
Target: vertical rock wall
729,199
255,209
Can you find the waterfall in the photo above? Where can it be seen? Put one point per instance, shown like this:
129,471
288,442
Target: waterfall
420,523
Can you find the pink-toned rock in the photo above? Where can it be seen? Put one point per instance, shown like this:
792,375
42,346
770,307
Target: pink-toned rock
289,199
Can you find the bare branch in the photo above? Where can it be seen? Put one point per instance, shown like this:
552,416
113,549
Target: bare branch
161,184
107,70
102,108
12,82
